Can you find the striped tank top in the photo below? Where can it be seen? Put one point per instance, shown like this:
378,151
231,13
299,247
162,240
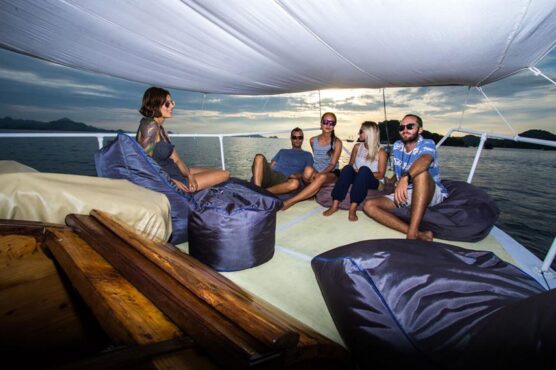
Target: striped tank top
319,154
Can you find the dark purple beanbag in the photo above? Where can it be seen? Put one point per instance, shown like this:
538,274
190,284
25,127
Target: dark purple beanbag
124,158
408,303
468,214
324,196
234,226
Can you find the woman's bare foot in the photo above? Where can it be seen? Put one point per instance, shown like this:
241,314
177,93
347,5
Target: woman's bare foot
352,215
333,208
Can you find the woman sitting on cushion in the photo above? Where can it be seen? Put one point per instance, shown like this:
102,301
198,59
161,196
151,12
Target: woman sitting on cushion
366,167
156,108
326,151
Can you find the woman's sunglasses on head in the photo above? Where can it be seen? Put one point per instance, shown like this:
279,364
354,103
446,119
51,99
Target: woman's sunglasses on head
329,122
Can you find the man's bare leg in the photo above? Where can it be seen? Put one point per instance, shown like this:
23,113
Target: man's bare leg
379,210
257,169
319,180
423,191
285,187
333,208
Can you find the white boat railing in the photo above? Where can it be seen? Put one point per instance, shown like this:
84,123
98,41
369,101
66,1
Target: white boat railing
549,258
101,135
484,136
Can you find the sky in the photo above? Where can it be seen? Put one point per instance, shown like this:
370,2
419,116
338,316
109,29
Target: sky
38,90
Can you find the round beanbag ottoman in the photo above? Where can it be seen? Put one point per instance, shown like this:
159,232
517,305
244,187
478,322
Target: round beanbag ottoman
414,304
233,226
324,196
467,214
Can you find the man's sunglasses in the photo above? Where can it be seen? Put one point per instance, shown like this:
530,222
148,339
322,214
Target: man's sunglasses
329,122
167,103
409,126
297,137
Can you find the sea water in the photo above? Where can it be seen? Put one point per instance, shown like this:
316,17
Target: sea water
520,180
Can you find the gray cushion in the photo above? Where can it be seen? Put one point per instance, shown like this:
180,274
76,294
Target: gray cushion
233,226
412,303
468,214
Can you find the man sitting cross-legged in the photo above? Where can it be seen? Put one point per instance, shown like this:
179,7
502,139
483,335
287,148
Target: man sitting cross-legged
284,173
418,181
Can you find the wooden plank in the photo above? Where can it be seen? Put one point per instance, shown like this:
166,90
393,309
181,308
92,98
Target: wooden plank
31,228
123,312
213,288
130,357
255,315
225,341
34,304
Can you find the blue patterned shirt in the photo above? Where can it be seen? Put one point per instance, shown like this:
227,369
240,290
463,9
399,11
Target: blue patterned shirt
403,160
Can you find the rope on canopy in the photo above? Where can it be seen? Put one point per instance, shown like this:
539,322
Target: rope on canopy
464,106
538,72
496,109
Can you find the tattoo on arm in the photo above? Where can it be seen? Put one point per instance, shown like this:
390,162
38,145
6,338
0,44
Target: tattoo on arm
148,138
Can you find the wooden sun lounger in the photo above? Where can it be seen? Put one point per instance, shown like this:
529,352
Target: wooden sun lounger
151,295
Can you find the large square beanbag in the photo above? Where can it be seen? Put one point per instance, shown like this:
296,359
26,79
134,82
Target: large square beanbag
124,158
234,226
408,303
467,214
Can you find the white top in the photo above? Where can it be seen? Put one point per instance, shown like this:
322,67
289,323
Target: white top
362,160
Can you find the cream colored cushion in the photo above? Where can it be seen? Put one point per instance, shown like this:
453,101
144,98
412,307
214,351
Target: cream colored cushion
49,197
13,166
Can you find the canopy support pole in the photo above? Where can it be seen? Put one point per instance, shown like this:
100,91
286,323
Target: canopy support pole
385,118
320,108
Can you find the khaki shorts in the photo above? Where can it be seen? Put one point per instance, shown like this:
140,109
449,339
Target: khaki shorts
436,198
270,177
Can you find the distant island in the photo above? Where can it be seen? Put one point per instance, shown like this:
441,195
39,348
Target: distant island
67,125
471,140
63,124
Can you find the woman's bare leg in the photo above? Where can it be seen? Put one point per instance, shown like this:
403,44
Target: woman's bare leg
319,180
207,177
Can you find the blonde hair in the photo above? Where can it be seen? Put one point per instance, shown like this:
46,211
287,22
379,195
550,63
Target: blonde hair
373,139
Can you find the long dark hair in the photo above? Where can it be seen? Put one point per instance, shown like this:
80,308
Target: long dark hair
332,134
153,98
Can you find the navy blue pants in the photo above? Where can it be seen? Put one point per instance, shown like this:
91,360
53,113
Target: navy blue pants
361,182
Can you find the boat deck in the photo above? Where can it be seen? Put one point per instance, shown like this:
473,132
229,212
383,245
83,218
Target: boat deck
287,280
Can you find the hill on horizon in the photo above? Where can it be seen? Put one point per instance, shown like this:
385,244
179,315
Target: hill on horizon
472,140
62,124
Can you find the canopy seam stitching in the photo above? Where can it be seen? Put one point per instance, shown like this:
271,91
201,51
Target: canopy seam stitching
510,41
310,31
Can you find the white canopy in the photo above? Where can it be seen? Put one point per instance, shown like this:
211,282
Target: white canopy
271,47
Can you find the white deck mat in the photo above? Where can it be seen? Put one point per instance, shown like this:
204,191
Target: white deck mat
287,281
